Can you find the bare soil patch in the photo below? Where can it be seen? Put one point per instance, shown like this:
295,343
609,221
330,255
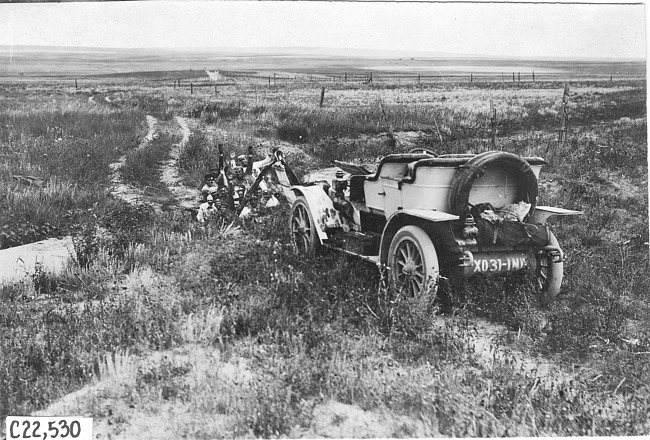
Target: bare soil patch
53,255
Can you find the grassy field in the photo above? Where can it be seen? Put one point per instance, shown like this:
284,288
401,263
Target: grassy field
224,331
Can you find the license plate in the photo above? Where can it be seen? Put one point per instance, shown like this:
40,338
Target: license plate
502,264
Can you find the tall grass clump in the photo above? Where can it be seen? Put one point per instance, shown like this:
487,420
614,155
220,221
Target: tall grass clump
149,103
301,124
142,165
201,154
217,111
591,150
65,116
34,213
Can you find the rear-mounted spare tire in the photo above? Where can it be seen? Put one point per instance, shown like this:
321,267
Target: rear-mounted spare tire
514,165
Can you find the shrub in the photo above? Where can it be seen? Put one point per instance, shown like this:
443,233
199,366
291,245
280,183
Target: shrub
44,282
293,131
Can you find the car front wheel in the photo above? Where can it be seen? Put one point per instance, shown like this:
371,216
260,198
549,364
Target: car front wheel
302,227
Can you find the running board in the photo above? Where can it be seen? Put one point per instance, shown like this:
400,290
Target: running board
372,258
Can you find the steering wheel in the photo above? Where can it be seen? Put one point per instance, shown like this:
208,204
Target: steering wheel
423,150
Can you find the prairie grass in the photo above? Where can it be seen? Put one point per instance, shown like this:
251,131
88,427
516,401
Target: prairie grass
66,143
313,330
199,155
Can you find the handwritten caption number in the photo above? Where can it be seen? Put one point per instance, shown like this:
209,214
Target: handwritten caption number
20,428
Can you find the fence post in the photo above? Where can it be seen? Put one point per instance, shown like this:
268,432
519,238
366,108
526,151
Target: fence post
518,76
565,115
191,89
75,84
471,77
322,95
346,77
493,124
513,76
533,76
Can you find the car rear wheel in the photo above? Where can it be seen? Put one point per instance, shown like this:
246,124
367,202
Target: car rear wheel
413,261
549,273
302,227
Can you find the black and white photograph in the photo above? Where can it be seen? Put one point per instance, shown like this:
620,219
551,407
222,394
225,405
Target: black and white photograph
323,219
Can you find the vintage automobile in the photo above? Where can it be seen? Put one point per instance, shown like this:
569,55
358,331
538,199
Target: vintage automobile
424,216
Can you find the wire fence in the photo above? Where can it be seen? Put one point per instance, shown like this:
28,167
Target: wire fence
276,79
193,82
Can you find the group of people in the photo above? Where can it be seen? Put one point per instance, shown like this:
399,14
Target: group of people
231,187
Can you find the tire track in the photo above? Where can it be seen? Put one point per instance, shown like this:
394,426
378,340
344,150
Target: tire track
185,196
492,346
129,193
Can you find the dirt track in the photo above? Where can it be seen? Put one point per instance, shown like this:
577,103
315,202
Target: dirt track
185,196
129,193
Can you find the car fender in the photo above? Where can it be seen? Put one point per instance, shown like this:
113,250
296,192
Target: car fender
543,213
321,207
405,217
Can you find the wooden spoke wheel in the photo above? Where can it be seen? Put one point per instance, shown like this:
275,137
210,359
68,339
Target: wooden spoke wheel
413,261
302,227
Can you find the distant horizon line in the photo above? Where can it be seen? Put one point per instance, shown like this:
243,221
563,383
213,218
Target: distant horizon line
339,52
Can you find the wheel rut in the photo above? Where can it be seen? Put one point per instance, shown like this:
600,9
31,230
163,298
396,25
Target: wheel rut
184,196
129,193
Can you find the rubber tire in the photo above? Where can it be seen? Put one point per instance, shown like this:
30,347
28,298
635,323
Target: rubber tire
300,213
550,287
463,180
429,267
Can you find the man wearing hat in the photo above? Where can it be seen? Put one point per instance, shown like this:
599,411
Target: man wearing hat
206,210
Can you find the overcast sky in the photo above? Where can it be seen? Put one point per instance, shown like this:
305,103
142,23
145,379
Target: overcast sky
558,30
